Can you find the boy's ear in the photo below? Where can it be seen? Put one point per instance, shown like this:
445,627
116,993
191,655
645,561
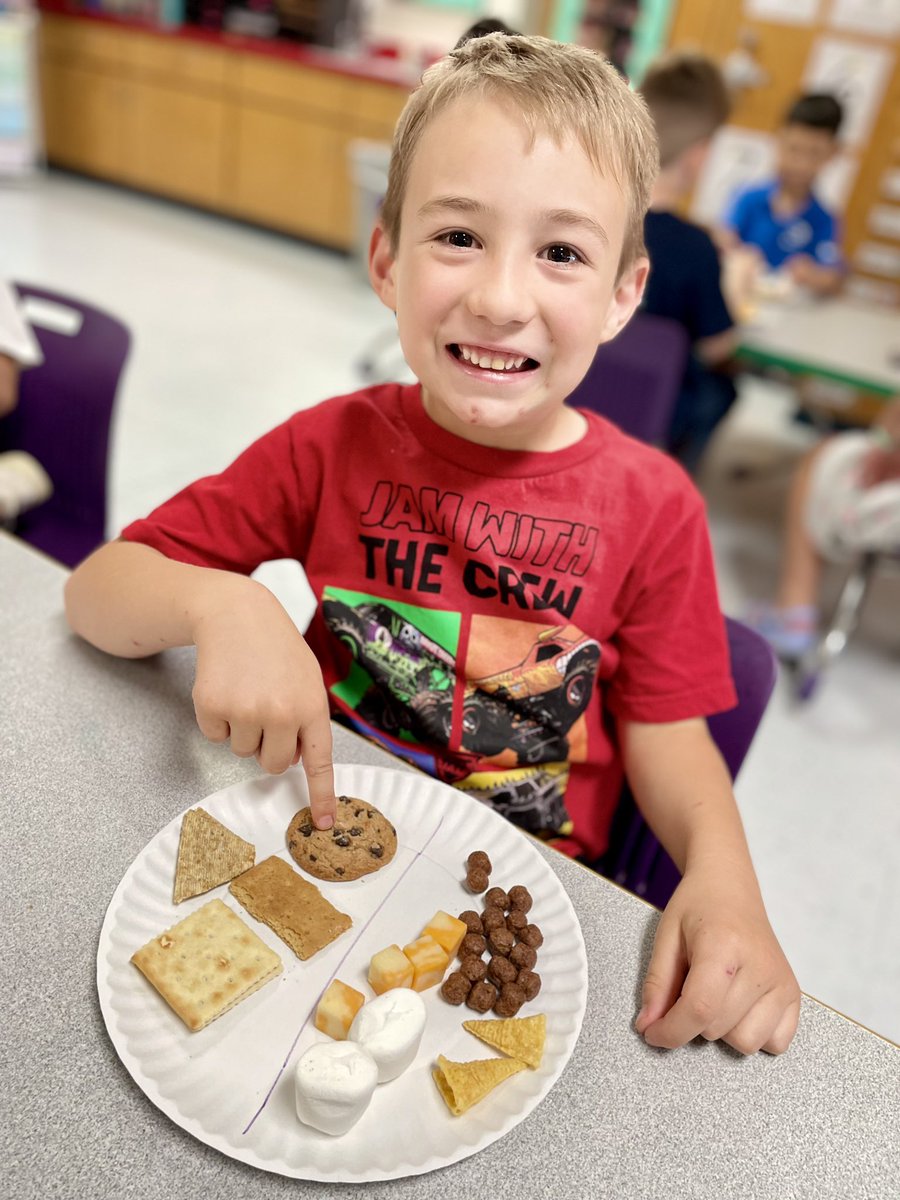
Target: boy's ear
625,298
381,268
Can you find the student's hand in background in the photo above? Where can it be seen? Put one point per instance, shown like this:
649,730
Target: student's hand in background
717,970
259,685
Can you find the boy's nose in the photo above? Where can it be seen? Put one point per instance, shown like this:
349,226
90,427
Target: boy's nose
500,294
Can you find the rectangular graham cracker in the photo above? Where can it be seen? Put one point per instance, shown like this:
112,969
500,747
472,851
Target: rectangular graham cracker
295,909
207,963
208,854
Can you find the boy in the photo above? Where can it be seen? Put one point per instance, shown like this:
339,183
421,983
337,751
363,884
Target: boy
844,502
513,594
688,100
783,218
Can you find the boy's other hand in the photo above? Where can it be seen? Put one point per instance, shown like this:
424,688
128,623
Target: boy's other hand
717,970
259,686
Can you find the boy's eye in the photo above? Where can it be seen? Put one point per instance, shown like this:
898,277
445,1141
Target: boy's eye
459,237
563,254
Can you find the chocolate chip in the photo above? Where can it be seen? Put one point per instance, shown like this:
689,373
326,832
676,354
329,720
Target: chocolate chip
312,858
376,851
342,841
338,870
355,831
343,799
357,812
369,812
306,830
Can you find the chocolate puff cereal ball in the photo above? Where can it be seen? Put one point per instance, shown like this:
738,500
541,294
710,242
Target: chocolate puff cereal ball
477,880
493,918
455,988
529,982
531,936
472,921
500,970
498,897
523,957
473,968
479,861
509,1001
500,940
520,898
482,997
472,943
516,920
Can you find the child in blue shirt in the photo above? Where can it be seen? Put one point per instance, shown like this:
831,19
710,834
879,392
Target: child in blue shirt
783,218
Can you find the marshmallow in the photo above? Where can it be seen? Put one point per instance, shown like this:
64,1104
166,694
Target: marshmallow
390,1029
333,1085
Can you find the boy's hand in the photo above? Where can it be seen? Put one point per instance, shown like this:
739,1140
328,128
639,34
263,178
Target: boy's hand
717,970
259,685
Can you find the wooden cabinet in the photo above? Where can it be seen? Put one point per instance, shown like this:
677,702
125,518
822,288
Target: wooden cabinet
232,131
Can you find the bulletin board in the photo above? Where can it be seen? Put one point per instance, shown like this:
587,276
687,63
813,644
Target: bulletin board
849,47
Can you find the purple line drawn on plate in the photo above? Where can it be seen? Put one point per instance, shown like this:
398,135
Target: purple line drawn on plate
418,854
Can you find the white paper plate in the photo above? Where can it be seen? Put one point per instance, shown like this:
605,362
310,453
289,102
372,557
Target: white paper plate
231,1084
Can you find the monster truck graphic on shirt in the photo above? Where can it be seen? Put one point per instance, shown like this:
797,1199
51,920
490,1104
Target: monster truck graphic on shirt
412,674
530,707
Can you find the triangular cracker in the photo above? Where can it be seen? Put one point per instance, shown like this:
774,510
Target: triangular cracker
519,1037
208,854
464,1084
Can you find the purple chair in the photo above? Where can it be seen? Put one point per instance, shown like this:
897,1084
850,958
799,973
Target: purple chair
635,379
635,858
63,418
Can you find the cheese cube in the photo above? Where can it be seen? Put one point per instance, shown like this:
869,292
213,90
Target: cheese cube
337,1008
429,960
447,931
390,968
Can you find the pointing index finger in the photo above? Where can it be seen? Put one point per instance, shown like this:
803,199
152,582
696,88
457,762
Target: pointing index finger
317,763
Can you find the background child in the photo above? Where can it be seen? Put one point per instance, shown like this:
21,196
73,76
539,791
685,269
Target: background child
844,501
511,593
783,218
688,100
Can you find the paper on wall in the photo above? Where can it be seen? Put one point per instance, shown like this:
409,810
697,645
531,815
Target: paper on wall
881,18
786,12
884,220
854,72
737,158
879,258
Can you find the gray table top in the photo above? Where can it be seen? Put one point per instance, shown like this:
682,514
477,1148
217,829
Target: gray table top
97,754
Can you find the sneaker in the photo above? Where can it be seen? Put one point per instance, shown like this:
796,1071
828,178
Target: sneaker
791,632
23,484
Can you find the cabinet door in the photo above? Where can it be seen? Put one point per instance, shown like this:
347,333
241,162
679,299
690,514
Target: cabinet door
284,172
178,139
82,118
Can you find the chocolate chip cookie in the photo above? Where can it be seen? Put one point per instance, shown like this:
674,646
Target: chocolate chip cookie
361,840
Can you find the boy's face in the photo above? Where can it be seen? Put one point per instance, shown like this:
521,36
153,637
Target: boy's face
802,153
504,279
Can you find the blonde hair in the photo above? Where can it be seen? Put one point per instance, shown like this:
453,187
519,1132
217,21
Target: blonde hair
688,99
557,89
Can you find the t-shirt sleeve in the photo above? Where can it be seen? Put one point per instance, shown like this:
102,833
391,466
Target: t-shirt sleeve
709,312
672,645
737,213
257,510
827,250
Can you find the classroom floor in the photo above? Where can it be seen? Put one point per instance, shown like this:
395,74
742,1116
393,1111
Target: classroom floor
236,328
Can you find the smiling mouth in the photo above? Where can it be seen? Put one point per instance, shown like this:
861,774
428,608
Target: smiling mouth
492,360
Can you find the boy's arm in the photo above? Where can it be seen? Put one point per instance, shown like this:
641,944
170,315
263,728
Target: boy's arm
717,970
823,280
257,682
9,384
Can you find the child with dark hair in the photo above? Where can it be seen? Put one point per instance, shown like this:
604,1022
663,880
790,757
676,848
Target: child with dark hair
482,28
784,218
688,99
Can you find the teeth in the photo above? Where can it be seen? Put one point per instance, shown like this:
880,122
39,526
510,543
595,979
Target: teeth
493,362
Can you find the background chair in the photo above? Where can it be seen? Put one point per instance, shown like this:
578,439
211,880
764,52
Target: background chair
635,379
635,858
63,418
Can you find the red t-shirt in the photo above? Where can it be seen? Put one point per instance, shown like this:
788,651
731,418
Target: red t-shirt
483,613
